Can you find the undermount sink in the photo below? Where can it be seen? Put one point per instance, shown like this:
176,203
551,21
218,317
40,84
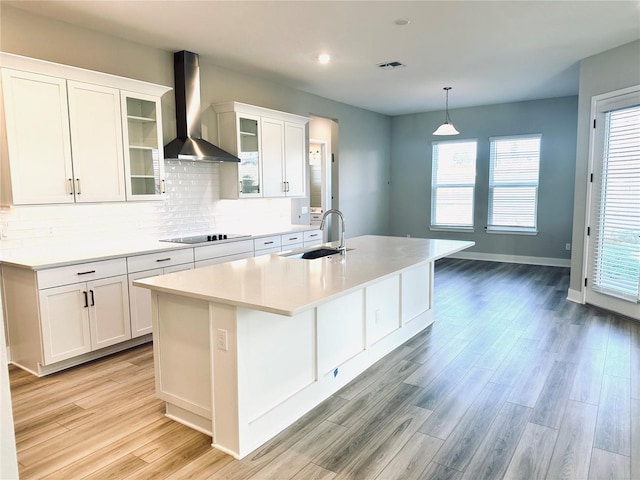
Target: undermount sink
316,253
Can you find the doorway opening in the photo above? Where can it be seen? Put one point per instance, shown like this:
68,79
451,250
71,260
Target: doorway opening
323,172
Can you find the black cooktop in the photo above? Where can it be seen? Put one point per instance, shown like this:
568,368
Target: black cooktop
211,237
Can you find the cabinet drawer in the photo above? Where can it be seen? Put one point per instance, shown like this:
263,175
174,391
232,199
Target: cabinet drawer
265,243
291,238
81,272
316,217
222,250
313,236
167,258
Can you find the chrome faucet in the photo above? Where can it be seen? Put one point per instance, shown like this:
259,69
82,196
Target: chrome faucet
343,246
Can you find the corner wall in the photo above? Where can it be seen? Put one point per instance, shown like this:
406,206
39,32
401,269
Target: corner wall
411,150
606,72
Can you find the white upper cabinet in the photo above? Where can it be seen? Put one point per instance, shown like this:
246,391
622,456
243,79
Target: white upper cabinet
66,138
96,142
271,147
295,165
38,138
144,159
273,157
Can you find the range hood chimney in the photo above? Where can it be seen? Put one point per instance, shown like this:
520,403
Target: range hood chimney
189,145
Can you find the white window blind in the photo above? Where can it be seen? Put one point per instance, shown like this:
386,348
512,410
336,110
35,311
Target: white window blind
513,183
453,183
617,256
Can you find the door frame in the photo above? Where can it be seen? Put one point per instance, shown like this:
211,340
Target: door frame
610,303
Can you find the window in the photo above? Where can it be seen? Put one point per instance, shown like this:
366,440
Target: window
453,183
513,183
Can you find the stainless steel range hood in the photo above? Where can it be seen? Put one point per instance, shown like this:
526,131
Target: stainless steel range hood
190,145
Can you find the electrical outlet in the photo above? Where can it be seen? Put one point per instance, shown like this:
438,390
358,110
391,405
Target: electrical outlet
567,246
222,340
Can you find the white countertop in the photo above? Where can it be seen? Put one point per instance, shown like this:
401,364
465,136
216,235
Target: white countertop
287,286
61,253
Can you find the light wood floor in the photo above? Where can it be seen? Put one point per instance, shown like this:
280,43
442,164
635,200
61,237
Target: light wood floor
512,381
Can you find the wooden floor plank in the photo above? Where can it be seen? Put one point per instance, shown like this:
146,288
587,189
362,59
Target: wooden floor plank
413,459
295,459
609,466
314,472
613,427
461,445
533,453
491,459
381,449
550,407
572,453
588,380
452,408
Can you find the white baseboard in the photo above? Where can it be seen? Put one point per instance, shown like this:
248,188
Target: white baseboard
495,257
575,296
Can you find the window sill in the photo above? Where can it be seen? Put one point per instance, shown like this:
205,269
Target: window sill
511,231
451,229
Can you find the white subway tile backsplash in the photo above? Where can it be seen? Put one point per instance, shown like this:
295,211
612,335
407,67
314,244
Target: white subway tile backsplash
192,205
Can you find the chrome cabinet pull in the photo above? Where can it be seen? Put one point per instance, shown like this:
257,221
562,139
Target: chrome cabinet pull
268,243
93,299
78,190
86,273
71,186
86,300
164,186
313,235
240,187
163,259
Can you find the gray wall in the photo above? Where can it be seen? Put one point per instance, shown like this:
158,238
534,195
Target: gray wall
608,71
364,138
411,152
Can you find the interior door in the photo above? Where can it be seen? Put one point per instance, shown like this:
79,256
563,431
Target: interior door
613,253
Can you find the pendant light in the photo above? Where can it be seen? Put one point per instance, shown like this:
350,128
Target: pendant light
447,127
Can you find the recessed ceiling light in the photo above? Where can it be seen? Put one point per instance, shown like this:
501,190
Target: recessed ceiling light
324,58
402,22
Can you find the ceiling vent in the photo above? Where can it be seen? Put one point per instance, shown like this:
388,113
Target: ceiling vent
391,65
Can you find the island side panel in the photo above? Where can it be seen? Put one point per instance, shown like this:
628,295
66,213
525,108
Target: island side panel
416,287
226,389
182,359
276,373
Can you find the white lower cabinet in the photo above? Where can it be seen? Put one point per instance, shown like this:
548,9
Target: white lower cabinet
312,237
57,315
139,266
83,317
223,252
267,245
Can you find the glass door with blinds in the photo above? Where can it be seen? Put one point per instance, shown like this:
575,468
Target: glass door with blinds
613,263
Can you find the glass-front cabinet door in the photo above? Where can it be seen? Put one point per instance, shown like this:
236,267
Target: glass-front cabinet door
144,158
249,155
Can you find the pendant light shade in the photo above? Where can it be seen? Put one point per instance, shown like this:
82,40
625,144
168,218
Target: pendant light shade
447,127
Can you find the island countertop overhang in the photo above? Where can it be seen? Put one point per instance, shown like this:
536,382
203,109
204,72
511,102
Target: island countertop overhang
287,286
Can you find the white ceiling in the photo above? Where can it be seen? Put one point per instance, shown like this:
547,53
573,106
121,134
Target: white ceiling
488,51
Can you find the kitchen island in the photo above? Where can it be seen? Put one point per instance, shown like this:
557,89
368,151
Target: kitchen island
243,349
